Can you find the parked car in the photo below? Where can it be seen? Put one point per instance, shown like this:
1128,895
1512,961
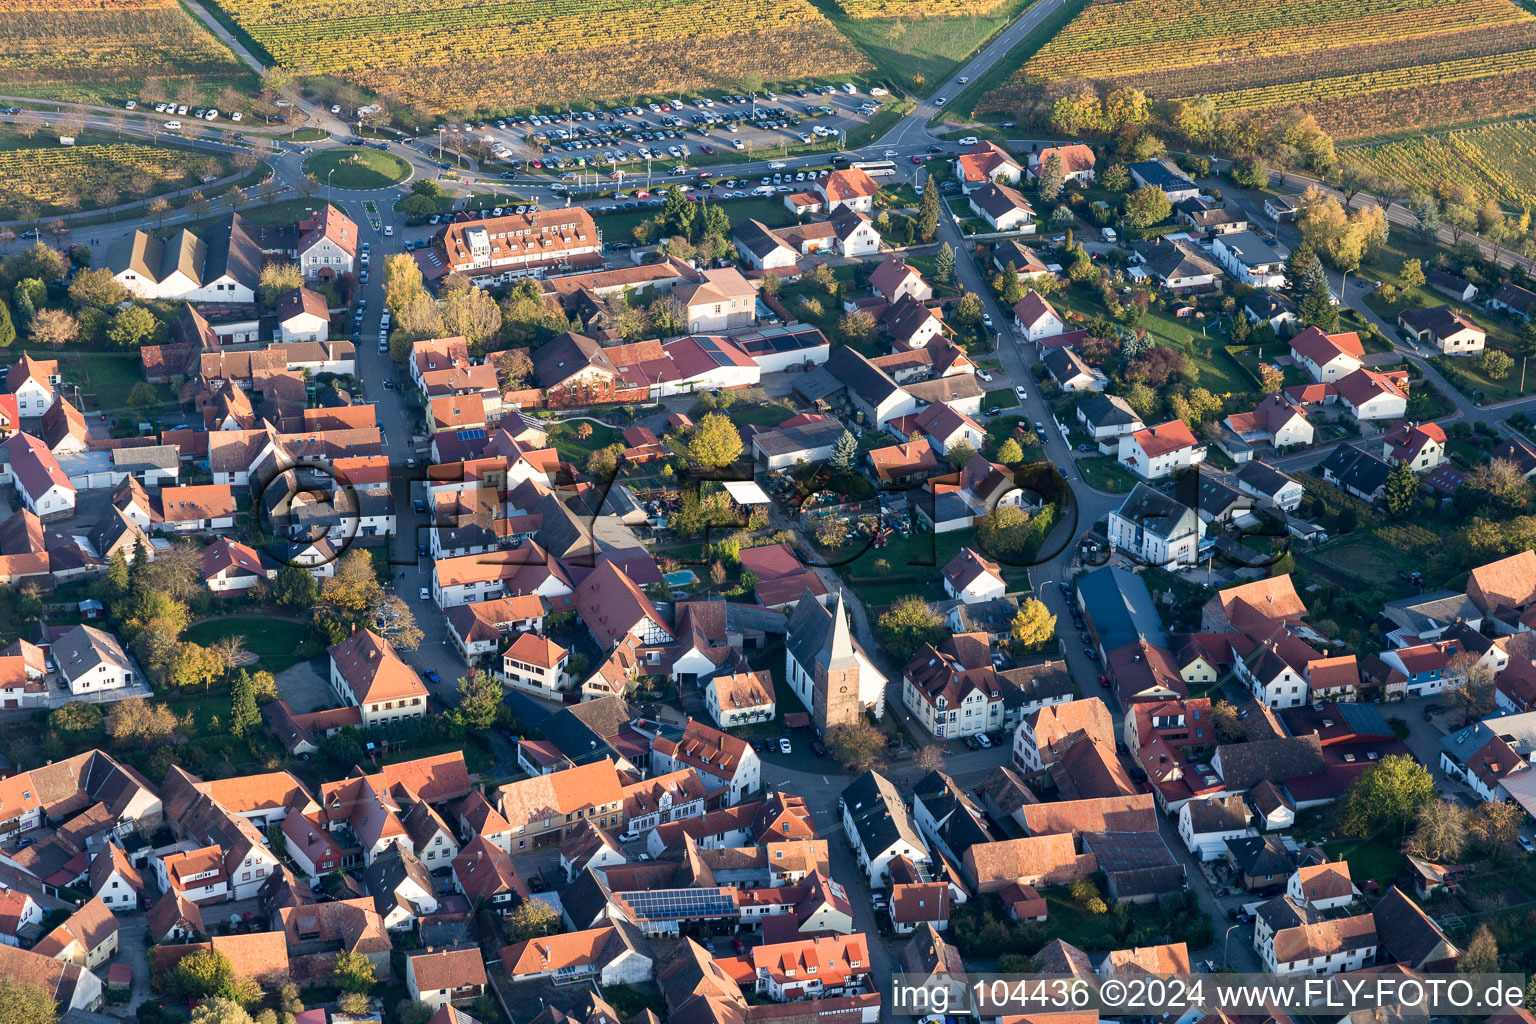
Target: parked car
784,747
818,748
425,594
984,740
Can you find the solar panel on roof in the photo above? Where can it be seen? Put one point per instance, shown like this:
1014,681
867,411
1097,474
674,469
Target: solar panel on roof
680,904
472,434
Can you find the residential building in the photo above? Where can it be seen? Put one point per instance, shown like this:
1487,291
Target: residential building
879,827
972,579
726,764
1077,162
1004,208
1163,175
366,672
537,243
445,976
302,315
1327,357
1250,259
1036,318
41,483
1156,529
953,688
1447,330
543,810
851,189
327,245
92,661
222,265
895,279
739,698
1158,451
1421,445
532,662
1107,417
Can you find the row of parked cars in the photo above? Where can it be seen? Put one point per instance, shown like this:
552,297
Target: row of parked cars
182,110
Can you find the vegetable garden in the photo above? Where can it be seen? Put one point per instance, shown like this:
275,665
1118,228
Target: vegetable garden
92,50
460,55
1363,68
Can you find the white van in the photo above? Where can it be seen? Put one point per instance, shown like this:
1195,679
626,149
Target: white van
173,126
849,89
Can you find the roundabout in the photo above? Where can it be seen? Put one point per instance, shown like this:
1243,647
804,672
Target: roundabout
358,170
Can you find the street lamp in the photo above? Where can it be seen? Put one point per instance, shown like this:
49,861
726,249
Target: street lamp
1226,942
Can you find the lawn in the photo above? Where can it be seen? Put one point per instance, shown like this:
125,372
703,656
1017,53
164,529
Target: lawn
1106,474
357,168
574,449
759,414
1361,557
109,376
274,641
1002,398
619,226
1375,858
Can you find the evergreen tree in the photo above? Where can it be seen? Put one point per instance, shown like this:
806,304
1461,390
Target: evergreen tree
7,328
1314,303
1013,288
1297,264
844,451
117,573
1240,328
140,567
1401,490
1051,177
928,214
944,265
243,713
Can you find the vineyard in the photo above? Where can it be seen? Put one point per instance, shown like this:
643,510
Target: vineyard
74,49
1361,67
466,55
42,181
1497,161
918,8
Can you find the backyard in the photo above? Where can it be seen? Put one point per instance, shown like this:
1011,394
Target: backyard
275,642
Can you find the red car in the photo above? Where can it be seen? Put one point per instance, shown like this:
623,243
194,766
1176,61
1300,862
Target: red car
708,149
741,947
1104,681
917,159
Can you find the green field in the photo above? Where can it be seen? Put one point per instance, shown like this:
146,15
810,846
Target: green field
273,641
357,168
921,50
1104,473
1497,160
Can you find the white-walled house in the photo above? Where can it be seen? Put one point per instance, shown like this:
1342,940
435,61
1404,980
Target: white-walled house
879,827
41,483
91,661
973,579
302,315
1158,451
536,664
1206,825
1036,318
327,244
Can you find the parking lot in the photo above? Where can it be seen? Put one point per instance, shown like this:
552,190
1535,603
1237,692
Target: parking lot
659,132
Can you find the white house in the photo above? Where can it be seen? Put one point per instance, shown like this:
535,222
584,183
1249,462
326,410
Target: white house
302,315
1322,947
1250,259
1368,395
310,845
1036,318
91,661
327,244
1443,328
879,827
1158,451
222,265
439,977
368,674
41,483
230,567
1004,208
851,189
739,698
1322,886
1206,825
1155,528
1271,487
34,383
536,664
973,579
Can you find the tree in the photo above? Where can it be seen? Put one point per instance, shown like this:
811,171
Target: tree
1116,178
140,723
352,972
96,288
1033,625
844,451
1495,364
968,309
296,588
278,279
944,265
201,974
193,665
1402,489
76,716
1229,727
221,1010
831,532
1271,378
604,462
358,1004
1314,300
54,327
244,716
856,745
1497,489
355,587
532,919
1412,273
515,367
393,620
928,214
930,758
907,625
1387,796
131,327
1005,531
717,572
1051,176
472,314
7,326
1009,453
856,326
1481,955
714,441
21,1003
479,701
143,394
1495,826
1441,833
417,206
42,262
1146,206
